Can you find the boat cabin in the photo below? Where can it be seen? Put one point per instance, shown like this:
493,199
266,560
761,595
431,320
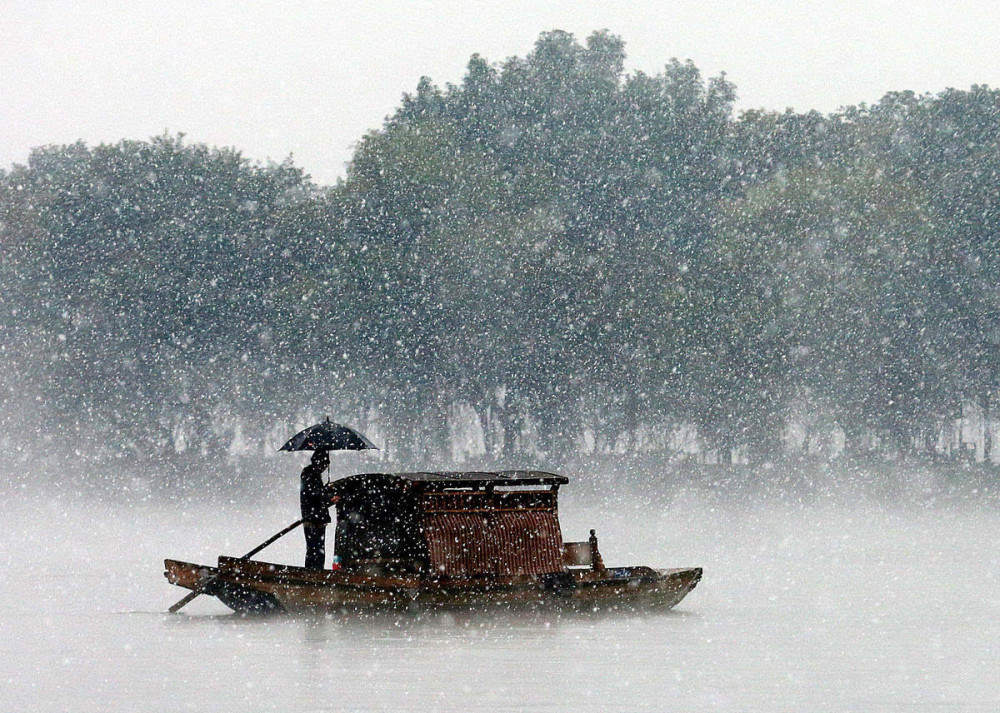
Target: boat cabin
450,524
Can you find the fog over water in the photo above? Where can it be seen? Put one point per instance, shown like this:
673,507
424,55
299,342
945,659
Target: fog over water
834,602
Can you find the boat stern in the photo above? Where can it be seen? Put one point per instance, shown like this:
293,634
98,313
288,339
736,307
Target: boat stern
676,583
187,574
240,596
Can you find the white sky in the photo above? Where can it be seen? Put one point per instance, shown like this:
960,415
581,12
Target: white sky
309,78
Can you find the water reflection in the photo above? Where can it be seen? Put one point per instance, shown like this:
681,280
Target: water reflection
499,620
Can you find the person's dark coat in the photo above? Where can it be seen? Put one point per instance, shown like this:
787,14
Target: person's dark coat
313,497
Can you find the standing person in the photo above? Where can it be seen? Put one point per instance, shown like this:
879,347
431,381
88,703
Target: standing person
315,509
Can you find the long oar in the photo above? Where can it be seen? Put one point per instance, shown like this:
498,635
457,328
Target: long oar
201,589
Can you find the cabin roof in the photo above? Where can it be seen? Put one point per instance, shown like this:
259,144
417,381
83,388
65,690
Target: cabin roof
503,477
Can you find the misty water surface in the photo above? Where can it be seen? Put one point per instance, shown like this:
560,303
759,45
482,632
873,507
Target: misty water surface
805,606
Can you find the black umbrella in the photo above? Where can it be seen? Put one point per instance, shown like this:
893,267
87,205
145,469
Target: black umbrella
328,436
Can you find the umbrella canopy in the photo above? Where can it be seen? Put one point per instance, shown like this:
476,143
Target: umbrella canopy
328,436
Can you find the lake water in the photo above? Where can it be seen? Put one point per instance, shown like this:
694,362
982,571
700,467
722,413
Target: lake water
803,607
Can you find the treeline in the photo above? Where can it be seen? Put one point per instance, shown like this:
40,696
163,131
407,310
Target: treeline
567,255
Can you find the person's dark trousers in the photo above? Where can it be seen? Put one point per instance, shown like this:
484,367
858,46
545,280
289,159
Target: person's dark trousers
315,544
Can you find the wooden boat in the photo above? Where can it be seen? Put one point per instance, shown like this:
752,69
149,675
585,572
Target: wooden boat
442,539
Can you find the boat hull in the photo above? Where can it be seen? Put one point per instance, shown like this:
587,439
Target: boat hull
251,586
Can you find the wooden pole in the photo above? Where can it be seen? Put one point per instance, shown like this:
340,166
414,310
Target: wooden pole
201,590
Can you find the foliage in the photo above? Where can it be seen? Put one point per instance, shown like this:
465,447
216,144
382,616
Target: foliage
558,243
